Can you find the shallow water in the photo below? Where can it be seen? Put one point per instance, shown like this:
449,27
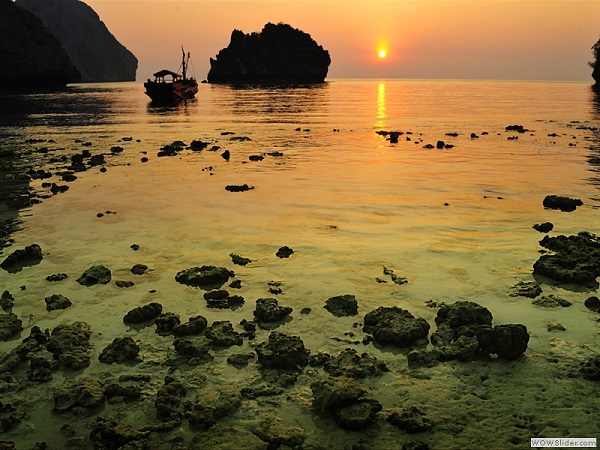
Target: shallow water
457,223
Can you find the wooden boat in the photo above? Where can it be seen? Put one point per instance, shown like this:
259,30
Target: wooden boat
169,86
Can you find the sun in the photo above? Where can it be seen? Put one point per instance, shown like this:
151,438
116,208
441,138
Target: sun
382,54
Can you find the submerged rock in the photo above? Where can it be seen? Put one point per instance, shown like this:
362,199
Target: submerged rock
95,275
565,204
214,404
590,369
528,289
282,351
71,345
222,334
205,277
358,415
120,350
143,313
10,326
279,53
551,301
110,434
268,310
80,396
342,305
333,393
349,363
57,301
29,256
411,419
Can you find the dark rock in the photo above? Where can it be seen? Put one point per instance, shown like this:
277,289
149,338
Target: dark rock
333,393
395,326
342,305
358,415
31,54
214,404
592,303
194,326
279,53
256,158
110,434
57,301
120,350
545,227
239,260
229,302
238,187
510,340
551,301
284,252
217,294
10,326
117,393
222,334
143,313
226,155
70,345
282,351
205,277
590,369
563,203
41,368
80,396
395,278
95,275
528,289
7,301
576,258
463,313
197,351
198,145
271,429
57,277
240,359
268,310
410,419
221,436
124,284
517,128
166,322
29,256
350,364
98,56
10,360
139,269
11,415
168,399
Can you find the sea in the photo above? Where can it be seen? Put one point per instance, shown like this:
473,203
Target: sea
407,193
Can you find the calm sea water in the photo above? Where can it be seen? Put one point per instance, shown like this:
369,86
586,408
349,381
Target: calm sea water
456,222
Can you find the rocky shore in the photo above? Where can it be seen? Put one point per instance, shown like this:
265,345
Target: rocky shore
143,350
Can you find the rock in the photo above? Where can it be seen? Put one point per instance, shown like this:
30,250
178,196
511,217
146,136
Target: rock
463,313
57,301
226,155
223,437
10,326
94,51
240,360
116,393
239,260
143,313
110,434
95,275
510,340
565,204
592,303
70,345
279,53
395,326
168,399
555,326
120,350
282,351
29,256
214,404
528,289
57,277
284,252
271,429
576,258
333,393
31,55
194,326
139,269
395,278
551,301
350,364
238,187
7,301
197,351
268,310
410,419
80,396
222,334
358,415
124,284
165,322
11,415
205,277
342,305
590,369
545,227
10,360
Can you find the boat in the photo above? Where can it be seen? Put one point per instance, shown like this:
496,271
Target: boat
170,86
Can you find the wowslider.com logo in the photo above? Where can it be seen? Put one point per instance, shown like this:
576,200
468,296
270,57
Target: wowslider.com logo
563,442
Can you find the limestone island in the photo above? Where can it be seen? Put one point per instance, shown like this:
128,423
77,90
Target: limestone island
595,64
278,54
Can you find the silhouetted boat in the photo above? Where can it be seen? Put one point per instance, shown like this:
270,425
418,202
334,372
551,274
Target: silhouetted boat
179,86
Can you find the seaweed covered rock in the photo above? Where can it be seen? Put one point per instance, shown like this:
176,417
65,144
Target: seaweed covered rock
214,404
95,275
11,415
195,325
332,393
29,256
222,334
560,202
411,419
81,396
169,398
279,53
193,352
121,349
57,301
282,351
205,277
10,326
268,310
273,430
395,326
70,345
590,368
349,363
576,258
110,434
342,305
143,313
358,415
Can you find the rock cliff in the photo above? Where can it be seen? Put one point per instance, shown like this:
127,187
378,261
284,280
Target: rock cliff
93,49
279,53
595,64
29,54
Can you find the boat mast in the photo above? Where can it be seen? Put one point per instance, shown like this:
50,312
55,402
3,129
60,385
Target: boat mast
183,61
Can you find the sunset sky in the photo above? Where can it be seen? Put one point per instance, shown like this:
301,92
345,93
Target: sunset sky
489,39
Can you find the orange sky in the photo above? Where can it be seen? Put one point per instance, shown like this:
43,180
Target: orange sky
490,39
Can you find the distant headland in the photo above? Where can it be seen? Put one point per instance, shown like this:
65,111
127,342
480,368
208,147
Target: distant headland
278,54
595,64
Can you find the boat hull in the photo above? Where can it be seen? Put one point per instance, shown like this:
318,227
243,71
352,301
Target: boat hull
171,91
